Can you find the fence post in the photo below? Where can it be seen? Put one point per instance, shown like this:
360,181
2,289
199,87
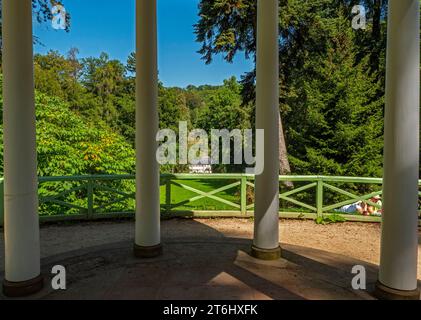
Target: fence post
243,195
1,203
90,187
168,195
319,197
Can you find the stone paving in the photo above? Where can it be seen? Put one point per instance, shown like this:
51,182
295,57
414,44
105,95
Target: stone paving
207,266
192,269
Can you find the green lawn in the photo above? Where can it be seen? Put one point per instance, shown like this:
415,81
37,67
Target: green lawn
180,196
106,201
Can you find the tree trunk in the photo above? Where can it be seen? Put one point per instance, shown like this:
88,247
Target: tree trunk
285,168
376,35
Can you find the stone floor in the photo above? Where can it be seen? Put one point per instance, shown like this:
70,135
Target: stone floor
199,262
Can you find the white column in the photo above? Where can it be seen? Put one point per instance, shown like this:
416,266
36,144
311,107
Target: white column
148,239
266,228
398,266
21,225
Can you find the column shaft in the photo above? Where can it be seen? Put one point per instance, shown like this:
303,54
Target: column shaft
266,230
147,169
398,266
21,225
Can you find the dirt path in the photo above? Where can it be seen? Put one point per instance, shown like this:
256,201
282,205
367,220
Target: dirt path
357,240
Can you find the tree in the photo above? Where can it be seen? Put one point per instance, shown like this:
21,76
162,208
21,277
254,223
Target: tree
131,63
309,39
68,144
172,108
106,80
195,102
335,120
223,108
76,67
56,75
229,27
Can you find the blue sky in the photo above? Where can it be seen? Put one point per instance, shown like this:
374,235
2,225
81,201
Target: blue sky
108,25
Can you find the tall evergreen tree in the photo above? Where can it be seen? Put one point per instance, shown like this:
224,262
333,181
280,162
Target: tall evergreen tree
334,120
323,71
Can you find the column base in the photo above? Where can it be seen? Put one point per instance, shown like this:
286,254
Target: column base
24,288
266,254
147,252
383,292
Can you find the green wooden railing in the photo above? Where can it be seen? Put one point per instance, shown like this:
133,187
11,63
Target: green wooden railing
207,195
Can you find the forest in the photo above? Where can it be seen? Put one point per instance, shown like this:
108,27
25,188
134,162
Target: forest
331,82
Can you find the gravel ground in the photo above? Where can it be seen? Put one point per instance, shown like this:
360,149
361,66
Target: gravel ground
356,240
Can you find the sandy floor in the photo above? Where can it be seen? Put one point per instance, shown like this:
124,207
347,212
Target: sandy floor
356,240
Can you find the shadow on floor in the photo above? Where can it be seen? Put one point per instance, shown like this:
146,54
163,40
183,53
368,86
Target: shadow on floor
203,264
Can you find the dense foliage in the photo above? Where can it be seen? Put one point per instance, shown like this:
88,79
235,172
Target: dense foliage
332,80
69,145
331,77
86,113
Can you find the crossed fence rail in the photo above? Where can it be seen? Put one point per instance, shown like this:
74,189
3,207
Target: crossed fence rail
200,195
